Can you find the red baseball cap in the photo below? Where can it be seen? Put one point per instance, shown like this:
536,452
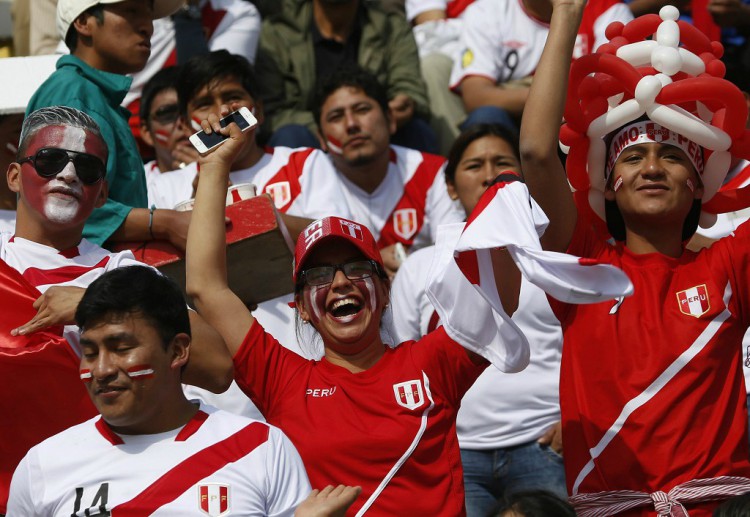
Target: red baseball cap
323,230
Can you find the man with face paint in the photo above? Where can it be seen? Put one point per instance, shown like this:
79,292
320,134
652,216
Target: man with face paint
651,387
151,450
59,179
204,83
398,193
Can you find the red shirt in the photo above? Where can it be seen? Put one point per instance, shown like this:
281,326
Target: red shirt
390,429
659,373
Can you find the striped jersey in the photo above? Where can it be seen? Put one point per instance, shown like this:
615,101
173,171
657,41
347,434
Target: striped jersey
217,464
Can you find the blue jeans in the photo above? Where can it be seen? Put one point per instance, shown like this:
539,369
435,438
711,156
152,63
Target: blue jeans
490,474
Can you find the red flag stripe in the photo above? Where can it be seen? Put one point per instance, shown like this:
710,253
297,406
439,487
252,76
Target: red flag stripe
36,276
185,475
414,196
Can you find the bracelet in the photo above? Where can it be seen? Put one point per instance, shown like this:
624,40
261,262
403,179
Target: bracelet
151,221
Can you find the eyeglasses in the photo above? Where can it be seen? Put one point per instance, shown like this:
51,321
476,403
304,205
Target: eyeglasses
49,161
167,114
323,275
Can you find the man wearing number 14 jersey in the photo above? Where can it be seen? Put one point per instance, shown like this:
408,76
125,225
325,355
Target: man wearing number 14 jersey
151,451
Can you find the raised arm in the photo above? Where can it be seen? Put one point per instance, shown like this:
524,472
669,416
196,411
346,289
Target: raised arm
206,260
540,125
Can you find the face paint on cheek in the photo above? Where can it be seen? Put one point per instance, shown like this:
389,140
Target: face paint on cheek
140,372
334,145
315,299
195,123
618,184
86,376
162,136
367,286
690,185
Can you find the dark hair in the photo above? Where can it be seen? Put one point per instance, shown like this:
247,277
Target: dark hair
533,503
354,77
71,37
738,506
164,79
136,289
207,69
471,134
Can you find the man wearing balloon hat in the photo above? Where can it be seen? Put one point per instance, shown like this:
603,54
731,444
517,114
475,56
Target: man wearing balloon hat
651,390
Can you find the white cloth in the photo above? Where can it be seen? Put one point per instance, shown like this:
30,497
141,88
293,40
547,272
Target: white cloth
406,172
499,410
43,267
234,25
88,467
502,42
508,217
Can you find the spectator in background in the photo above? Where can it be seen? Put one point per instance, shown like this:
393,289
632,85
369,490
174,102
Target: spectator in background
398,193
162,127
501,43
10,134
107,41
537,503
34,32
437,31
310,39
198,27
149,438
509,425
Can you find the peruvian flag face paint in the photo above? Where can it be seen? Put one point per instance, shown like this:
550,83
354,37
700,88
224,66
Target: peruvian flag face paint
86,375
140,371
618,184
162,136
195,123
690,185
333,145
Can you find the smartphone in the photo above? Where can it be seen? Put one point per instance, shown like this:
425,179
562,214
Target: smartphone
205,143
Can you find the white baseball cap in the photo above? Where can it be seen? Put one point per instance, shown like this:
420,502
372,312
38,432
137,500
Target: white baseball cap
69,10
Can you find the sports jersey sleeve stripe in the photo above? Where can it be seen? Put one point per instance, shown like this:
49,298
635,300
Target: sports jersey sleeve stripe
414,196
263,368
186,474
36,276
291,172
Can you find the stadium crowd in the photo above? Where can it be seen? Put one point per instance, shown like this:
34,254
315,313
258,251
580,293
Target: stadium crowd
326,258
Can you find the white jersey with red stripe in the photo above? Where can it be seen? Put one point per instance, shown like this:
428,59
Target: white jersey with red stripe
409,204
651,387
43,266
294,178
503,42
233,25
499,410
217,464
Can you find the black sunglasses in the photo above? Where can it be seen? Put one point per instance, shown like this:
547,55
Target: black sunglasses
323,275
49,161
167,114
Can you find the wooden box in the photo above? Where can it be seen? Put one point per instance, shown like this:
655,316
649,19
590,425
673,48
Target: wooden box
259,252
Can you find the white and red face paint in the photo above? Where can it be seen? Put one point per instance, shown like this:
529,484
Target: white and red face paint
316,297
86,375
618,184
334,145
140,372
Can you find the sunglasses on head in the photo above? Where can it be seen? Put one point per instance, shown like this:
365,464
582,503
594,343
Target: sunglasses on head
167,114
355,270
49,161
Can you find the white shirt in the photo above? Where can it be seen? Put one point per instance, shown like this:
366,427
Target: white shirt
500,410
43,267
220,464
409,204
502,42
233,25
293,177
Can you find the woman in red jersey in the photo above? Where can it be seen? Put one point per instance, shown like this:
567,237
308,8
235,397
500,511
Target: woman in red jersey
366,414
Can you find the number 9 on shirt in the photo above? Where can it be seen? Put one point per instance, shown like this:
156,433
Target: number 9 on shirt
205,143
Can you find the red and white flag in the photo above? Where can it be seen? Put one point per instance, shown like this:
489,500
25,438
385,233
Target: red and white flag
506,216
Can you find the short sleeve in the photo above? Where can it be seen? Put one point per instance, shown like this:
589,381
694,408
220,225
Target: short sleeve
23,488
264,369
288,483
478,49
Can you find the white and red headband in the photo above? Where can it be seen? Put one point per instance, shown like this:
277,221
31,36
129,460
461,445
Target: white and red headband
647,132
